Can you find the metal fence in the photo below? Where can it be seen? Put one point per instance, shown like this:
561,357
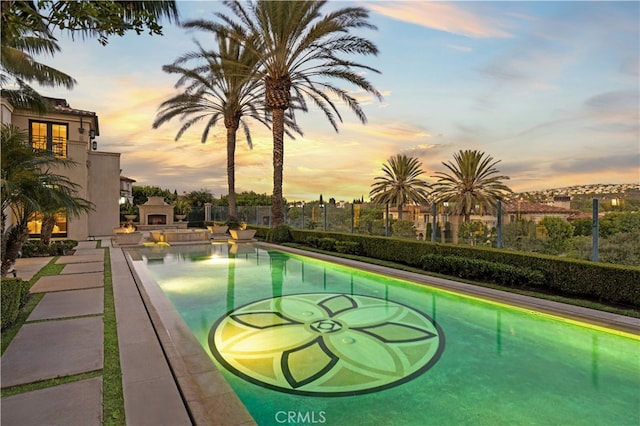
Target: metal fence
351,218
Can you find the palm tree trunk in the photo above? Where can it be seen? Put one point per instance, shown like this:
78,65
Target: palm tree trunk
16,237
399,211
48,222
231,173
277,214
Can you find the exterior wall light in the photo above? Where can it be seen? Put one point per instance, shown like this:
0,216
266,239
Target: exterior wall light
94,144
92,134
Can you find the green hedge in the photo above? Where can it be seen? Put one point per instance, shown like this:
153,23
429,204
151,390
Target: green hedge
572,277
15,294
483,270
35,248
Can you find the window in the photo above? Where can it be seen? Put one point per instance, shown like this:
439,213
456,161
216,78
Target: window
50,137
58,222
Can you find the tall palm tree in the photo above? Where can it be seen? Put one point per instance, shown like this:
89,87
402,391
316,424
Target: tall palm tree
27,29
473,183
223,88
400,184
298,51
29,186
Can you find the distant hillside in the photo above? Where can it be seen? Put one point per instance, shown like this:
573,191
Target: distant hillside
614,197
596,189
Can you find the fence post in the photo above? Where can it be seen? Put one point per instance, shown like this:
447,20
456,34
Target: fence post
324,224
499,224
434,223
386,220
352,217
595,231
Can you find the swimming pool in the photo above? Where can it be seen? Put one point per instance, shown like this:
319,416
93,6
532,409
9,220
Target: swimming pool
303,341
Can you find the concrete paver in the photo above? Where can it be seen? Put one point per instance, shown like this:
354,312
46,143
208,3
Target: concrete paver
89,251
86,246
77,403
150,391
81,258
67,304
68,282
26,268
80,268
50,349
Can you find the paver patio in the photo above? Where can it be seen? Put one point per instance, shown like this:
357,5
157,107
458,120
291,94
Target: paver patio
46,350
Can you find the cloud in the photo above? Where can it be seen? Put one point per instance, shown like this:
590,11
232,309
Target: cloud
443,17
615,163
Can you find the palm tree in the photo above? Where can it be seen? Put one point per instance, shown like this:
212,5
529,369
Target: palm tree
27,29
28,187
400,184
295,46
221,89
472,185
25,33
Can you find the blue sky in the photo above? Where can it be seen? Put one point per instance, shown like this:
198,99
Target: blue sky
551,89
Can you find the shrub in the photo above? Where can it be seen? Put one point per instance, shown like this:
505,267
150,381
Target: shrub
327,244
312,242
483,270
15,294
348,247
35,248
279,234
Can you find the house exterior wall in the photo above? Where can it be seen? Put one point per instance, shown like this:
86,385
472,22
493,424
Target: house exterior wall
104,192
96,173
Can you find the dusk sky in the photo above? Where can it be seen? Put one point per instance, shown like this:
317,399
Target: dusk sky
552,89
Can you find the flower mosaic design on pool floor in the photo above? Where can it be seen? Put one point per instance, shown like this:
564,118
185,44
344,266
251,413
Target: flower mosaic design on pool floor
326,344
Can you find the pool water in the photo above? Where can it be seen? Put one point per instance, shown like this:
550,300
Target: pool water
303,341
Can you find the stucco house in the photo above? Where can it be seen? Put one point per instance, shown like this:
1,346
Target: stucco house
71,133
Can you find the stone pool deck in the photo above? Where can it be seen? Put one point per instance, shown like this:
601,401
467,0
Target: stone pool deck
167,377
64,336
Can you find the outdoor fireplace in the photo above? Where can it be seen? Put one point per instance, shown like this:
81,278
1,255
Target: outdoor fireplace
157,219
155,212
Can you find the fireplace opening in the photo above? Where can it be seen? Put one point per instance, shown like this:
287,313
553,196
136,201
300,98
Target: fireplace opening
157,219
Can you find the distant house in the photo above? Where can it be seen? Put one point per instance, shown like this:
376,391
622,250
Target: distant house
524,210
126,189
70,133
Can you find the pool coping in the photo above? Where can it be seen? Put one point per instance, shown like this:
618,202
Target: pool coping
207,395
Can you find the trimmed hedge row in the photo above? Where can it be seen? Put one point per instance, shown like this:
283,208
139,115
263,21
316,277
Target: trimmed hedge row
35,248
483,270
15,294
593,280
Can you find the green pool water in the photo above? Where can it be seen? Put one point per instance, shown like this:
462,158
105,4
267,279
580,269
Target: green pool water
302,341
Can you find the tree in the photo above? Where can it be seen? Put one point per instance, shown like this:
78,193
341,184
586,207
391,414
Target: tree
559,233
473,184
475,233
404,229
200,198
29,186
27,29
141,194
221,89
295,46
400,183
